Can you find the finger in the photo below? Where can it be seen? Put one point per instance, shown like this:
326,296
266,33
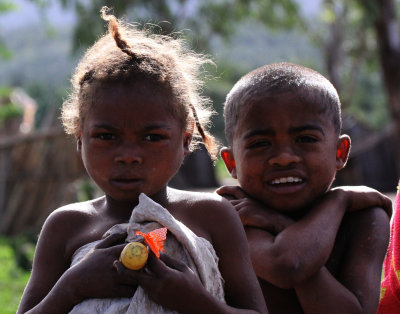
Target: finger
112,239
126,291
235,202
238,192
127,276
155,265
231,191
173,263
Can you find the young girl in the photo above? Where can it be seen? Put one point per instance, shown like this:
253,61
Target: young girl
134,108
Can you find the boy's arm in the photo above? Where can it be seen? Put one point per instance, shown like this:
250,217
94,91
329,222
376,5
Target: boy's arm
285,258
301,248
253,213
357,288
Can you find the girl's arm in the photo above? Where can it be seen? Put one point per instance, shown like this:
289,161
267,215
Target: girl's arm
54,287
357,288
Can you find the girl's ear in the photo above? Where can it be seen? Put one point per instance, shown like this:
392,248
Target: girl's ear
229,160
187,139
342,151
78,144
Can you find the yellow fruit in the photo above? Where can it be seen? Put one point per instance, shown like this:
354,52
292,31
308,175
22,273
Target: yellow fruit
134,255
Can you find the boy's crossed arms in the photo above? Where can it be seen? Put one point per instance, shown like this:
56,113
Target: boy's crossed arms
300,254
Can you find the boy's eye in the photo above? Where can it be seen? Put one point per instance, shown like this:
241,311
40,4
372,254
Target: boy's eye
259,143
105,136
307,139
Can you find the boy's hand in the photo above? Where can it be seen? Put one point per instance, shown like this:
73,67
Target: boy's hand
361,197
253,213
168,282
231,192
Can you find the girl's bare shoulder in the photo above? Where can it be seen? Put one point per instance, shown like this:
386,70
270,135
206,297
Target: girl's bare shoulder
68,225
200,202
203,212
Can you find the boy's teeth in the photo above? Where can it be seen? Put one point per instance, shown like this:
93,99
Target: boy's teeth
286,180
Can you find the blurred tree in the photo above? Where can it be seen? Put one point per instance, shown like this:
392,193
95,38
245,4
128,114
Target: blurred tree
5,6
204,18
362,39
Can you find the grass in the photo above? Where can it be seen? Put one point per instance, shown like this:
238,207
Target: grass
15,257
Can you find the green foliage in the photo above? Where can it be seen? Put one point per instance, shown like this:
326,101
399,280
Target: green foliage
221,172
5,6
5,91
204,18
9,111
13,278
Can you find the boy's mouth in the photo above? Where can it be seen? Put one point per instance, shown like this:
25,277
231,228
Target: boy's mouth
284,180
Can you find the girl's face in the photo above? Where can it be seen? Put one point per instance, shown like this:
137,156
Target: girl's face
130,142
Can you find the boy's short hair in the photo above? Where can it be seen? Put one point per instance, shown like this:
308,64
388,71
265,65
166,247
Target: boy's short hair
277,78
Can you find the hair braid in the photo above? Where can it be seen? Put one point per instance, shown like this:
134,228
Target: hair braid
208,140
114,31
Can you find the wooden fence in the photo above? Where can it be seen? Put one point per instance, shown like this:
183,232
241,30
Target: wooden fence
36,175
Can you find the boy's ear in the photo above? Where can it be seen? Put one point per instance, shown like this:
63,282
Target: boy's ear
187,139
229,160
342,151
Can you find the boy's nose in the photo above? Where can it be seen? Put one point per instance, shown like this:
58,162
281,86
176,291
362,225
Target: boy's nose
284,157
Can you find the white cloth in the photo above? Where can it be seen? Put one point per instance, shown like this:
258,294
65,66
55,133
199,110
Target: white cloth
181,243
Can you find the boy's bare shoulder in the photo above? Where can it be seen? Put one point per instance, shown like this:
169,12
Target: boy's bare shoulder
364,235
373,222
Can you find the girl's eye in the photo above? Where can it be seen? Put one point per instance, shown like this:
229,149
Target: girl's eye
154,137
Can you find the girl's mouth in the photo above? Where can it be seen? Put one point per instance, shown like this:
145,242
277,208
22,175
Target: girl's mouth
127,184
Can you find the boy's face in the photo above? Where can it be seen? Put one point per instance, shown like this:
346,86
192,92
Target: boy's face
130,142
285,152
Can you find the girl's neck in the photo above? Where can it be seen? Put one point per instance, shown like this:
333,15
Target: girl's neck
124,208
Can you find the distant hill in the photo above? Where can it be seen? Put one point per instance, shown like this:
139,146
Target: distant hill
38,57
46,58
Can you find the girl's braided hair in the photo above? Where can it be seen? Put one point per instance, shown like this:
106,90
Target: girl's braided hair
127,53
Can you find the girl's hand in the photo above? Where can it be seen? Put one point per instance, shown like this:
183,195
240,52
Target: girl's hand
361,197
95,276
168,282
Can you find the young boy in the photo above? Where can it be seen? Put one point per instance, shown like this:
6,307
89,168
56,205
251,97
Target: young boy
311,250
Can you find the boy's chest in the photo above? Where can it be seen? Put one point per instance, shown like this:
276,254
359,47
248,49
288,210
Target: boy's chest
280,301
285,300
337,257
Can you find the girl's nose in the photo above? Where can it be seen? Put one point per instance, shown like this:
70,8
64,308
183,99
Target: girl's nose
129,154
284,157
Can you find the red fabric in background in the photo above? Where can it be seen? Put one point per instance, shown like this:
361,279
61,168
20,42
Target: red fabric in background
390,286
